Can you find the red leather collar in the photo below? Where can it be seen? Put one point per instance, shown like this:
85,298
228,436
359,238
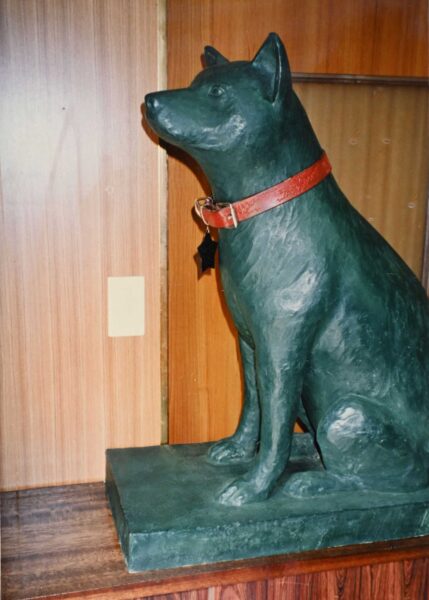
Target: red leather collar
228,216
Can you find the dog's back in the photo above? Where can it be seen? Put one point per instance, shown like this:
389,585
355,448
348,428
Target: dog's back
324,307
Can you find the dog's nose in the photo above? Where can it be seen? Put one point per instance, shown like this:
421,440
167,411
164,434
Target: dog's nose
151,102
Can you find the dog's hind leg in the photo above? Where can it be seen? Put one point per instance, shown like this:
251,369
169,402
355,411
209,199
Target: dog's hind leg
362,447
242,445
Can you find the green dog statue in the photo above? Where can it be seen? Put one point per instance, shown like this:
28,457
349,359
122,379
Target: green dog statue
333,326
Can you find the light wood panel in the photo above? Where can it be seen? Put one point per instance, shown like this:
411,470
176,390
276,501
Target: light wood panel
80,202
376,138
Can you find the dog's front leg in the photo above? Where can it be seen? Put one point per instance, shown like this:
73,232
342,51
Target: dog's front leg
279,379
242,445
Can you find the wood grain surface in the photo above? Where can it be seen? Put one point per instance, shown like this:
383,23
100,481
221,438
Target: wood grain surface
375,136
80,183
61,543
361,37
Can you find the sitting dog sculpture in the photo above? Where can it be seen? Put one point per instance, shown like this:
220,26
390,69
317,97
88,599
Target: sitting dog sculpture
333,326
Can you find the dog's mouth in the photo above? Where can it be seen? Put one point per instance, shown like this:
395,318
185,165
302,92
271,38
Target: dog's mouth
185,129
160,121
150,116
178,127
153,112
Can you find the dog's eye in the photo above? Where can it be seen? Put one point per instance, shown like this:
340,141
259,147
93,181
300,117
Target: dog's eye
216,91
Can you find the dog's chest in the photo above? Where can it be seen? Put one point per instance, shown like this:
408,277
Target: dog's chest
244,262
265,268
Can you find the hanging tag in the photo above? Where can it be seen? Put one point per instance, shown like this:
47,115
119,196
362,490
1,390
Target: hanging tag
207,252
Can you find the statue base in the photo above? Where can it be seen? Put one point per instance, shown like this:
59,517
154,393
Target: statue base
162,500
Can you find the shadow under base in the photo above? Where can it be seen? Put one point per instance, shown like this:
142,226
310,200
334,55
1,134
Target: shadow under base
162,500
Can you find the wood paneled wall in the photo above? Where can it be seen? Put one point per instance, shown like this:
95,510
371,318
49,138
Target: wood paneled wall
80,187
365,37
376,138
81,192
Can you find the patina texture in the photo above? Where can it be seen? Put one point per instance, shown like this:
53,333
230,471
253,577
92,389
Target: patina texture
162,499
333,326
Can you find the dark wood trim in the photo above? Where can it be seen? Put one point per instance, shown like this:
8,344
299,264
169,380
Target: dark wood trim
61,543
226,574
359,79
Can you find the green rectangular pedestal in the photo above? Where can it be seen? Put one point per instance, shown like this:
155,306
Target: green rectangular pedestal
162,499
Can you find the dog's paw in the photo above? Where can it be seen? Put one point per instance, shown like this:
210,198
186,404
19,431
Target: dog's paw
310,484
241,492
228,452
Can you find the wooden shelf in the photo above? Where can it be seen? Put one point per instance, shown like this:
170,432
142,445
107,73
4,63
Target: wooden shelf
60,542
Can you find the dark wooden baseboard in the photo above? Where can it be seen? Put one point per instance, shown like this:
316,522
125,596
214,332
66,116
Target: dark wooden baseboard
60,542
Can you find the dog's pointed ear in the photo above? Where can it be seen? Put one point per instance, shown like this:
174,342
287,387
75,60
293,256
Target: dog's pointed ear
212,57
271,61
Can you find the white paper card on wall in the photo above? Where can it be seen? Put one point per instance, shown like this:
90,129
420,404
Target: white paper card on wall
126,306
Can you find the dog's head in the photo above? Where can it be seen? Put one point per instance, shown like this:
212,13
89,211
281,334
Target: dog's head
229,106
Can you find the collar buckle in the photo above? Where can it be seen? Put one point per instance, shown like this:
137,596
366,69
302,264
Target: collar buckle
200,203
227,209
